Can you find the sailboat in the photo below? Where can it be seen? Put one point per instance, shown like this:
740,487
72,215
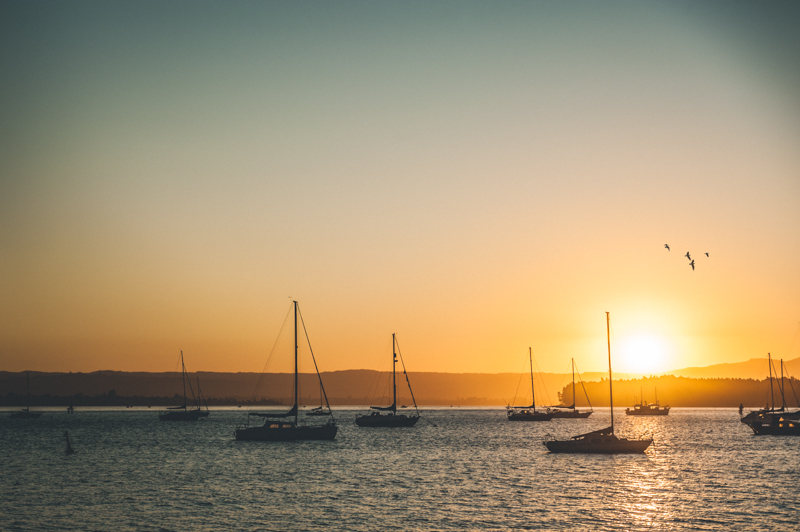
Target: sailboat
604,440
387,416
203,413
26,413
647,409
320,410
528,413
182,413
774,421
570,412
278,426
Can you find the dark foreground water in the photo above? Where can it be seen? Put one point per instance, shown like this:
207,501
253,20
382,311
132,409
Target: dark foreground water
475,471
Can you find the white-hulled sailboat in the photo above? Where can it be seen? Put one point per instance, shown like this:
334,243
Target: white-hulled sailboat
602,441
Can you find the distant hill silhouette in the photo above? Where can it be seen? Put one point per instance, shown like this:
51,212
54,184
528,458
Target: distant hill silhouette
349,387
755,368
364,387
687,392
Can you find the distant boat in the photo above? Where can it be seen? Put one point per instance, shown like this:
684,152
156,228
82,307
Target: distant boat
26,413
602,441
528,413
647,409
203,413
182,413
278,426
570,412
320,410
387,416
774,421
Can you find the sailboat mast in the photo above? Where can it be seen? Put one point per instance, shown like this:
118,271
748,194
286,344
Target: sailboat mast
533,393
295,363
27,391
783,395
771,394
200,392
610,385
573,384
394,380
183,378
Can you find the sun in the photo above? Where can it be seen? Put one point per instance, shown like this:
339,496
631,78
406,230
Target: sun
643,354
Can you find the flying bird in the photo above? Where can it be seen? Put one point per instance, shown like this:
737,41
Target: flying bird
688,256
666,246
706,254
692,265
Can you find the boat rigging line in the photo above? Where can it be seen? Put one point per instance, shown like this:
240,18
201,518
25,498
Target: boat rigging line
406,374
372,393
514,399
582,385
792,386
541,379
313,358
264,369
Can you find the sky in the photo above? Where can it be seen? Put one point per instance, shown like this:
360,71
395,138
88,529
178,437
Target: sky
477,177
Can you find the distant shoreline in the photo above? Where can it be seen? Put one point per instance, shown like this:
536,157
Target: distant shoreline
358,388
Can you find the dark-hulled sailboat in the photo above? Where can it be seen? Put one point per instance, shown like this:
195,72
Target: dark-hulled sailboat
284,426
773,421
183,413
528,413
387,416
602,441
26,413
570,412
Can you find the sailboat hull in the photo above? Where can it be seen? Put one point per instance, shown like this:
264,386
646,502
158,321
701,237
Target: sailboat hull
379,420
656,411
787,428
278,432
561,414
606,445
773,423
529,416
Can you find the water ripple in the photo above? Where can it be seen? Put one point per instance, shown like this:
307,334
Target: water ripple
475,471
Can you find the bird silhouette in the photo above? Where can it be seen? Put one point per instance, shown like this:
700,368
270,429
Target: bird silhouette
692,265
706,254
666,246
688,256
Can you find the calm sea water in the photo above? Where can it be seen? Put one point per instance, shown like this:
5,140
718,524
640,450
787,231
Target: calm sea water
474,471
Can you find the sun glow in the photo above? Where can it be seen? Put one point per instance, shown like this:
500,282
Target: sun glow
643,354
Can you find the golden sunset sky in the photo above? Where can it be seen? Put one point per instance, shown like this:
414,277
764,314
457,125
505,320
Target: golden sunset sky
478,177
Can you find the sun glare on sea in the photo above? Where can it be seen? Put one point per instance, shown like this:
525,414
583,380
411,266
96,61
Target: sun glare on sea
643,354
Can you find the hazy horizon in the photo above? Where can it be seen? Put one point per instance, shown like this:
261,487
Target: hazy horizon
476,177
